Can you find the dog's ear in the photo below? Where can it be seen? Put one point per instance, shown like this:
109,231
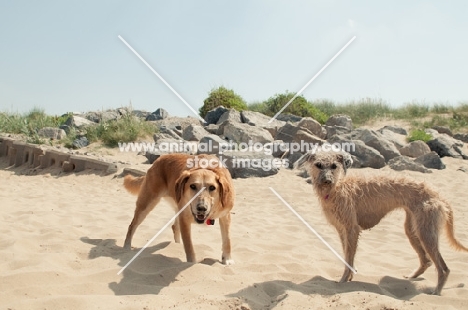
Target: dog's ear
346,160
226,192
180,184
305,159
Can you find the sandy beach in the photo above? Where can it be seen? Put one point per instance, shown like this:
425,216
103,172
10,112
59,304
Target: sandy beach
62,235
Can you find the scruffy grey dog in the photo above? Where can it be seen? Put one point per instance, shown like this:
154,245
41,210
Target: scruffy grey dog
352,204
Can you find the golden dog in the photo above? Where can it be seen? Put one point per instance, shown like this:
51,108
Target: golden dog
354,203
170,177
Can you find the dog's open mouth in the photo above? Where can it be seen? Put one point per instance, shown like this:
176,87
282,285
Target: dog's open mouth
200,218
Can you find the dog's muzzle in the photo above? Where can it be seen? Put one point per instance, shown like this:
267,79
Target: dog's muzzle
201,213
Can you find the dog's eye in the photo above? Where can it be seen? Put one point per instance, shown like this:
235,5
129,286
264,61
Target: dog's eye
333,166
211,188
318,165
192,186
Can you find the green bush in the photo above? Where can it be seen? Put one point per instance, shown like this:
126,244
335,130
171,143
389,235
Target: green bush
222,96
299,106
419,134
126,129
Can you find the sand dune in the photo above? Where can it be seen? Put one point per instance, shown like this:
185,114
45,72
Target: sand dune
61,238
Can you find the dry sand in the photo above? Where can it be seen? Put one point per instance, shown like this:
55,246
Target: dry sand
61,238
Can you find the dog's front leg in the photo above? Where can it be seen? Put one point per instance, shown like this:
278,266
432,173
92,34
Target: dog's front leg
349,238
185,230
224,224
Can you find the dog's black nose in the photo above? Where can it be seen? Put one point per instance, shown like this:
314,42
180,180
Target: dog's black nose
201,208
327,181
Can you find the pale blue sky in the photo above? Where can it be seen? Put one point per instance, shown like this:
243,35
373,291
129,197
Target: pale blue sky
66,56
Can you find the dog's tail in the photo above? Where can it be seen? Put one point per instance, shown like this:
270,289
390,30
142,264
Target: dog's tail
133,184
451,235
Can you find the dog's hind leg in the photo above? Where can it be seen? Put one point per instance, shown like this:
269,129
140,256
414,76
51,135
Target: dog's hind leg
349,237
424,261
430,240
144,205
225,223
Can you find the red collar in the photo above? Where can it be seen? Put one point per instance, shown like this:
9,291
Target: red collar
210,222
326,196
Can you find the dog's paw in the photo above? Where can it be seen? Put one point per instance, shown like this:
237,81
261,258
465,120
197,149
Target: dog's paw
227,261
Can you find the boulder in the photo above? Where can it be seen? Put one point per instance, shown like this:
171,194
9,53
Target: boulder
443,129
250,164
288,118
402,162
375,140
340,120
194,133
213,115
313,126
141,114
431,160
212,144
212,128
80,142
364,155
78,122
157,115
240,132
335,130
415,149
444,145
230,115
52,133
258,119
461,136
397,139
396,129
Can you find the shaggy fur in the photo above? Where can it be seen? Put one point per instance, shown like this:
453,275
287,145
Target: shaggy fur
170,178
352,204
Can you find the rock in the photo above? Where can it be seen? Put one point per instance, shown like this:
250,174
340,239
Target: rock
303,136
444,145
396,129
313,126
258,119
443,129
415,149
335,130
401,163
251,164
157,115
288,118
340,120
240,132
172,133
375,140
212,128
461,136
365,156
213,115
80,142
52,133
178,123
397,139
212,144
94,117
110,115
287,132
164,136
141,114
78,122
230,115
292,158
194,133
430,160
152,156
277,148
294,133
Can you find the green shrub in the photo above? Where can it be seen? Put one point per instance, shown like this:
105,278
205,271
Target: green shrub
225,97
260,107
419,134
299,106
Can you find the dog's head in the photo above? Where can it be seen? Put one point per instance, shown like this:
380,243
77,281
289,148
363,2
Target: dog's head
217,193
325,168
